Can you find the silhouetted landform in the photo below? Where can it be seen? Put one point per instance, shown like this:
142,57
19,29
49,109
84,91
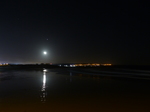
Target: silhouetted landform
48,66
28,66
42,65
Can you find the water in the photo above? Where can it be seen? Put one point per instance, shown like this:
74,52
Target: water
72,90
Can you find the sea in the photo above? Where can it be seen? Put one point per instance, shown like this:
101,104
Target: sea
95,89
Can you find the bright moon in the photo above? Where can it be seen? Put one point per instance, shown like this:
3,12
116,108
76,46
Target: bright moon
44,52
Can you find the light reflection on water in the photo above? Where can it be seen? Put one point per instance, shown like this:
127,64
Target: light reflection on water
64,91
43,90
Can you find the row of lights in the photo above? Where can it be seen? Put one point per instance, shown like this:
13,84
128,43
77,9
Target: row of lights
3,64
85,65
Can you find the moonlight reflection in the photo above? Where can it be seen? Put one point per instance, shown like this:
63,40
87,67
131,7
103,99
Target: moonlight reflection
43,90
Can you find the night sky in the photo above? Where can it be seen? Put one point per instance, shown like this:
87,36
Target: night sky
84,31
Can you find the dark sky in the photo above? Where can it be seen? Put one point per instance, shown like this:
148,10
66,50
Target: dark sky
87,31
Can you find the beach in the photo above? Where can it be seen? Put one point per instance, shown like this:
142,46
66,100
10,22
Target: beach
75,89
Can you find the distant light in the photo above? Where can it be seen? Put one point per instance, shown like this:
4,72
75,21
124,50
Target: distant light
44,70
72,66
66,65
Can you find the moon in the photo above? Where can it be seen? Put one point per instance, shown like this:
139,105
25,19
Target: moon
44,52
